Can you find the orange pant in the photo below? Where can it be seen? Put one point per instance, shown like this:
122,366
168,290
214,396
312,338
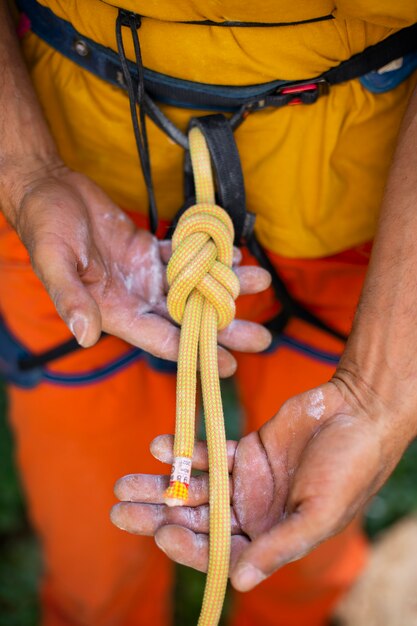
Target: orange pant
75,439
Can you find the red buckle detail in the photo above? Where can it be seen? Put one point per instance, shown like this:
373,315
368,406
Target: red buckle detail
320,87
300,88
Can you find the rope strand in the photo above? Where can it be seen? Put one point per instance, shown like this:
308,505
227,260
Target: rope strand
203,288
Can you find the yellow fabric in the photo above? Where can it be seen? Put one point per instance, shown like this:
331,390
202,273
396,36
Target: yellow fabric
314,175
239,55
384,12
202,291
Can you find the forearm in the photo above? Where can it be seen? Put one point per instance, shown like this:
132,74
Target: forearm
380,357
26,144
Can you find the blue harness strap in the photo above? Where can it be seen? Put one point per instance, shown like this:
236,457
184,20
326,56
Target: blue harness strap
11,354
21,368
105,63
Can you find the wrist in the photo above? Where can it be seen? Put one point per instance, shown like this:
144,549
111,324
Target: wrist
19,176
371,384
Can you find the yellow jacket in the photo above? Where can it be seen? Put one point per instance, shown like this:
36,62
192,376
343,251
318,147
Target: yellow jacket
313,174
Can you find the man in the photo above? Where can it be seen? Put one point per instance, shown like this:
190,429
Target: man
314,176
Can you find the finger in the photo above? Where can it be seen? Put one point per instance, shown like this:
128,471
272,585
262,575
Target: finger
148,331
165,250
57,267
252,279
145,519
156,335
192,549
183,546
237,256
289,541
227,363
244,336
161,448
150,488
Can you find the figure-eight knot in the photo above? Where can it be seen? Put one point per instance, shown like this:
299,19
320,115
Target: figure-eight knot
202,260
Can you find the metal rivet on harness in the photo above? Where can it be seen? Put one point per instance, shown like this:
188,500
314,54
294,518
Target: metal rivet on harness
120,78
81,47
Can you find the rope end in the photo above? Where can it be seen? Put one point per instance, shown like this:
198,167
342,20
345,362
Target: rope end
176,494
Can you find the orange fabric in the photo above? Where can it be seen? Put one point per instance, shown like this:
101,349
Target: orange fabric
72,446
328,287
73,443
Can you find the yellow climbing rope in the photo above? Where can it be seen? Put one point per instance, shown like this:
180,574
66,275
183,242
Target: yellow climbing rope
203,288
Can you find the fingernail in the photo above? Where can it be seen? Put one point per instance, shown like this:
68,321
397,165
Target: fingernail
160,450
228,369
78,327
247,576
114,517
159,544
268,339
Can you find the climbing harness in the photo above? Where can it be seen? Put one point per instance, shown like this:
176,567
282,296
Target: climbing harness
25,370
136,93
203,288
106,64
146,87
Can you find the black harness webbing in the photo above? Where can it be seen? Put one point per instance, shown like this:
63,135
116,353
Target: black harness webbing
31,361
18,366
136,93
144,86
231,196
291,308
227,170
374,57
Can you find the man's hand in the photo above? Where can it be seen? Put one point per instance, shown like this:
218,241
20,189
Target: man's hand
296,482
102,273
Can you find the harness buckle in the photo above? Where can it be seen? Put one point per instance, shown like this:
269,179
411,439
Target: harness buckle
305,92
128,18
300,92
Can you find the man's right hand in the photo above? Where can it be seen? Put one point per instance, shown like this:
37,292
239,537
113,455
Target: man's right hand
101,272
104,274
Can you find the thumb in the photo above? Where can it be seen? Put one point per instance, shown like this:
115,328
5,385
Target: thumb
289,541
56,264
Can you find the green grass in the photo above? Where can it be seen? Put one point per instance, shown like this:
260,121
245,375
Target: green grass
397,498
20,560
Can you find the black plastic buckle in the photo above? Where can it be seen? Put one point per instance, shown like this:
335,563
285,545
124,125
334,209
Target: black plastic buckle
128,18
301,92
306,92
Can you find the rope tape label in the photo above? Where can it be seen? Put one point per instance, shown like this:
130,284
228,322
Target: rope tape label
181,470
